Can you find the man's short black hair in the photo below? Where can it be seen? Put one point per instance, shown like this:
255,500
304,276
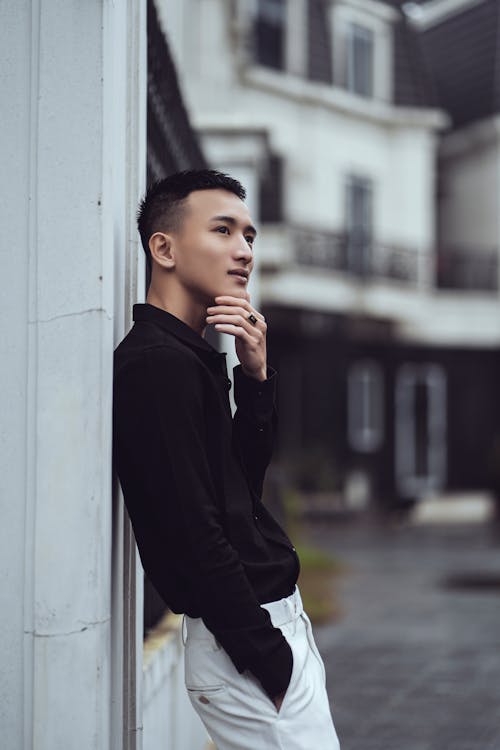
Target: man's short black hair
162,207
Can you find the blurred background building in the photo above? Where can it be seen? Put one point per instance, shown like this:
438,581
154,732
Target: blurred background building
376,154
367,134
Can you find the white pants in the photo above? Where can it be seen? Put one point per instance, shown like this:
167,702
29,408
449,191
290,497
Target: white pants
234,708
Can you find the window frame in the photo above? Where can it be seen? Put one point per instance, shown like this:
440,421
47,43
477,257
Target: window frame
294,42
280,27
379,21
433,377
359,262
357,34
363,437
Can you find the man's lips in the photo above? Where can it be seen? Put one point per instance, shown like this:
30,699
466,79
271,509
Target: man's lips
241,272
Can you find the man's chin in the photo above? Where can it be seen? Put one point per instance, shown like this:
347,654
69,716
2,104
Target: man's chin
234,291
237,290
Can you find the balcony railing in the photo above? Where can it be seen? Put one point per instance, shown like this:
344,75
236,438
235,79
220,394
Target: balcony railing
356,255
468,269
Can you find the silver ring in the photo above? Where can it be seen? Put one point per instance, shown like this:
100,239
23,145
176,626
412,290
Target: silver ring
252,319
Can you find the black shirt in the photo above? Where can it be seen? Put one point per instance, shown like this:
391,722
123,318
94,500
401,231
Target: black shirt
192,479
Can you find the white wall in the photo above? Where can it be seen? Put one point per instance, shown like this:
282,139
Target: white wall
59,214
470,188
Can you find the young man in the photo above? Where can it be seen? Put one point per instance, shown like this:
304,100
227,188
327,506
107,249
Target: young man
192,475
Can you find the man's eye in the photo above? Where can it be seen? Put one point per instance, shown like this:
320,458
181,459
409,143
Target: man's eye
250,239
222,230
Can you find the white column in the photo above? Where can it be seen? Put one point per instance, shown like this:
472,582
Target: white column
124,177
17,519
68,159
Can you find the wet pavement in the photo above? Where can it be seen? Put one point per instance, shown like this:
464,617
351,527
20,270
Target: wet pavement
413,662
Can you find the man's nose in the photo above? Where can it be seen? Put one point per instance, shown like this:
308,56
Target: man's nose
244,251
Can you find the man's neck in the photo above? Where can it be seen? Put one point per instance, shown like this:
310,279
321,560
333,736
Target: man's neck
191,313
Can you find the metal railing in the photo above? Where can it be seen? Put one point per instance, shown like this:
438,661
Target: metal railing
361,256
467,269
357,255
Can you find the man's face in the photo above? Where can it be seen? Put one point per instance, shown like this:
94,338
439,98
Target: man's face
213,247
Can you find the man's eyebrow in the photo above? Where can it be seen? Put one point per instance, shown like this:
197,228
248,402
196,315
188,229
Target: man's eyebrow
231,220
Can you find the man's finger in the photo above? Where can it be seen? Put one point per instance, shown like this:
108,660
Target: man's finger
238,332
237,320
228,304
227,310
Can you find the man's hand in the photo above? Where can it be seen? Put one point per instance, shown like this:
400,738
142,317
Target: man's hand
278,700
231,315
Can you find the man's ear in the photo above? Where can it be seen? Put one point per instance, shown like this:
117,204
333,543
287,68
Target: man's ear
161,247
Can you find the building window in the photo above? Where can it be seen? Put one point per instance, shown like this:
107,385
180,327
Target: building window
360,55
363,48
271,191
420,429
270,39
365,406
319,43
359,225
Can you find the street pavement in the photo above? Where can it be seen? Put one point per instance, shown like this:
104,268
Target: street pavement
413,660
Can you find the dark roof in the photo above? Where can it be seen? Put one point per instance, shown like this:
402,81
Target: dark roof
413,83
463,52
172,144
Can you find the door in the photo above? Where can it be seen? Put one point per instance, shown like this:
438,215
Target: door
420,444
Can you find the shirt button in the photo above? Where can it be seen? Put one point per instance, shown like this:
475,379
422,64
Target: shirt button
228,383
256,518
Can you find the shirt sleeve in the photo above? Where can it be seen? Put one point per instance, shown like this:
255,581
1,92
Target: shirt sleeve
254,424
178,524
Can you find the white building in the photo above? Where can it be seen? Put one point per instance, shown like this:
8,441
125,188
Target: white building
364,199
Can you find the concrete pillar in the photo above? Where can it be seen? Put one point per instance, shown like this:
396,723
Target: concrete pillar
73,113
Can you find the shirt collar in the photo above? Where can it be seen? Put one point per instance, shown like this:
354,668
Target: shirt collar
175,326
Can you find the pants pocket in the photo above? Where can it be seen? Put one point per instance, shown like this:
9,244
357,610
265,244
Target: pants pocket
205,691
312,644
290,688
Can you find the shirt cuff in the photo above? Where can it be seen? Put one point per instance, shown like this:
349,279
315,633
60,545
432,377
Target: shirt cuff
255,397
275,673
